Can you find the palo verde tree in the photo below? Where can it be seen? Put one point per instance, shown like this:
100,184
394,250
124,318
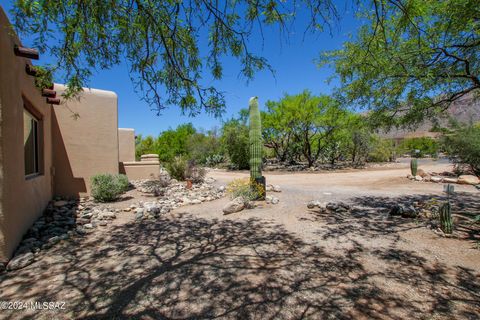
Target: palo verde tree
313,121
169,45
413,58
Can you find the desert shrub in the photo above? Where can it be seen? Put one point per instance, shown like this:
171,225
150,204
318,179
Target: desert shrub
195,173
463,147
177,168
245,189
107,187
235,141
380,150
424,145
214,160
203,146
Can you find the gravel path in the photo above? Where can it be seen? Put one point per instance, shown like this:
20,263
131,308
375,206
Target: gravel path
274,262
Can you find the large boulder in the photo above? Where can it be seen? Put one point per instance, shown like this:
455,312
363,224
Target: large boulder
236,205
468,179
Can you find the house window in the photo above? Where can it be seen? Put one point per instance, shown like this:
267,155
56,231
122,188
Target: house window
31,144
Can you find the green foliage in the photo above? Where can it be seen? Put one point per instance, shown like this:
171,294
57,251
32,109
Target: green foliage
406,55
380,150
445,215
160,40
177,168
413,166
245,188
303,125
204,146
168,145
361,138
255,139
107,187
144,146
463,147
235,141
214,160
424,145
173,143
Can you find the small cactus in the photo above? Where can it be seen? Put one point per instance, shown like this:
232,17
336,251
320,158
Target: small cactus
413,166
445,215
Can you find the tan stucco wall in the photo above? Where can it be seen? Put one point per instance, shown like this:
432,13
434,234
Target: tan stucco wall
21,200
126,144
85,145
140,169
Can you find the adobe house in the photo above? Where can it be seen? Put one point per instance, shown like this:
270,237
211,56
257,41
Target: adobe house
46,151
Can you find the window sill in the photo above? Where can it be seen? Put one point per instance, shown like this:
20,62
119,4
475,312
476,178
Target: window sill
32,176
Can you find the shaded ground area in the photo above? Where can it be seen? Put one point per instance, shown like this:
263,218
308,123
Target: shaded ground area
274,262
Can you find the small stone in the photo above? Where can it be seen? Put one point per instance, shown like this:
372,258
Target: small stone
139,216
275,200
276,188
102,223
250,205
409,176
127,209
107,215
54,240
436,179
195,201
418,178
450,180
421,173
209,180
60,203
312,204
88,226
396,210
20,261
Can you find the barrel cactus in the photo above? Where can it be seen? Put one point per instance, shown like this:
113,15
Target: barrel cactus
413,166
445,215
256,145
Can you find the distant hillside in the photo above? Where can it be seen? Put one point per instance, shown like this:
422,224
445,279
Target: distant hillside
465,110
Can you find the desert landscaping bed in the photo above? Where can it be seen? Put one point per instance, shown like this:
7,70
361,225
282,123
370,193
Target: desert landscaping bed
347,256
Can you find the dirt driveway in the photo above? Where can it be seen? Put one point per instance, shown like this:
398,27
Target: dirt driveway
275,262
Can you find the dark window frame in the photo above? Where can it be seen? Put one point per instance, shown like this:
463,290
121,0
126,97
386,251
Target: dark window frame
37,128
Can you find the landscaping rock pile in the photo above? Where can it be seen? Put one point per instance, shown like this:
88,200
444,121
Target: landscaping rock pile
406,211
171,196
329,207
445,177
61,220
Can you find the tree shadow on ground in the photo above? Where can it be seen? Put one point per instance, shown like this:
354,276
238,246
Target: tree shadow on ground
186,267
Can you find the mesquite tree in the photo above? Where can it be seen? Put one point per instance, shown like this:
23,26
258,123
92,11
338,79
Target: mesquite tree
170,46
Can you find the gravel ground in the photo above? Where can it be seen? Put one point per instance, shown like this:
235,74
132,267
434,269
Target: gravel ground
274,262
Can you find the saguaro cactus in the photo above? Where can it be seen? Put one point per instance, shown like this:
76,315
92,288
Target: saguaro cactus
413,166
256,145
446,223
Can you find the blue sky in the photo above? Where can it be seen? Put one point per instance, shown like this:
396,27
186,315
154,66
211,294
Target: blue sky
292,60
